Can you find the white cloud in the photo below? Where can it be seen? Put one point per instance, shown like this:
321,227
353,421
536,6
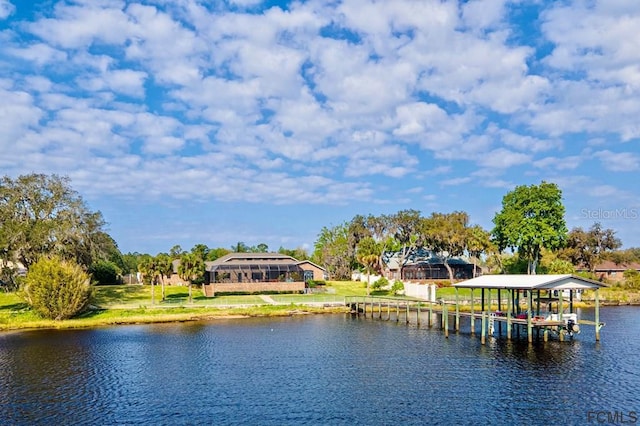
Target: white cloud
618,161
503,159
321,101
6,9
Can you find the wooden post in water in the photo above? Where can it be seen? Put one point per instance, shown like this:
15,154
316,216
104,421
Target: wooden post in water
430,319
597,313
380,309
500,310
397,311
445,315
457,311
509,311
560,309
483,328
407,314
473,316
418,314
529,320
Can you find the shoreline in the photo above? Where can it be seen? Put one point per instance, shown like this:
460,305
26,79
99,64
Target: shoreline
113,317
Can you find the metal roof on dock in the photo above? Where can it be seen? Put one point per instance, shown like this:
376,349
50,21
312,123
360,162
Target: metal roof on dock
531,282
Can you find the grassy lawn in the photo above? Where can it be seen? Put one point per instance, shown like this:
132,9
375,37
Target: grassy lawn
127,304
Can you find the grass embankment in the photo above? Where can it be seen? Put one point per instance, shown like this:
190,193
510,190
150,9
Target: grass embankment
131,304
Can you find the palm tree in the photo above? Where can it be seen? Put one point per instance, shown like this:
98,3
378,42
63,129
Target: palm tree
149,268
165,266
191,267
369,262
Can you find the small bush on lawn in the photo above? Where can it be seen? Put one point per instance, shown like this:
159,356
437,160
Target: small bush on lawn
379,283
57,289
397,287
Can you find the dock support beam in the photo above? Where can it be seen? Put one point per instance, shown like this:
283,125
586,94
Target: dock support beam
445,317
483,328
457,312
560,311
473,316
529,322
510,298
597,315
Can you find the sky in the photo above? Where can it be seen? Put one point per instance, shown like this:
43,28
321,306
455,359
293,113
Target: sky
220,121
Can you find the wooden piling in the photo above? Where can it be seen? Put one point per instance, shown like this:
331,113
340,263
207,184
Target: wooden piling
483,328
445,315
457,324
473,316
597,314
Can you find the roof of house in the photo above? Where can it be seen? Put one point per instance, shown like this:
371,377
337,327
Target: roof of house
608,265
420,256
311,263
530,282
238,260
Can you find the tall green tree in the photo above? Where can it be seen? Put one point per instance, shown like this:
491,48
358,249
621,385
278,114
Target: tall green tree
532,218
588,248
217,253
200,250
369,253
151,272
42,215
164,264
447,235
406,227
191,268
240,247
333,250
478,243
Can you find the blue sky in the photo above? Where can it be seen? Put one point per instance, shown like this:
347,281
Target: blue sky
215,122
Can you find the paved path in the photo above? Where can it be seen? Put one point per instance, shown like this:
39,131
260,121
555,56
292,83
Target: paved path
268,299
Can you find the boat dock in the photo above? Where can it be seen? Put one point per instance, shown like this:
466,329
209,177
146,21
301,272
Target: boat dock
536,305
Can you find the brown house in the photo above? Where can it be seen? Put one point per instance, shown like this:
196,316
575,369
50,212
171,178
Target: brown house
611,271
257,273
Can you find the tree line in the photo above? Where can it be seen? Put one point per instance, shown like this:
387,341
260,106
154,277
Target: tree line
42,216
529,236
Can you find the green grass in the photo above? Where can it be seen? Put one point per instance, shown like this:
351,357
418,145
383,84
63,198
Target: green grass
131,304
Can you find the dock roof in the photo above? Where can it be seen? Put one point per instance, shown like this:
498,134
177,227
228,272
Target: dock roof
531,282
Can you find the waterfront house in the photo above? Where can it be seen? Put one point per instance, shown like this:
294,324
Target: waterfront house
259,273
423,265
611,271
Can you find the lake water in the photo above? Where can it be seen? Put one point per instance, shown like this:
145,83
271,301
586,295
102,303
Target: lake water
326,369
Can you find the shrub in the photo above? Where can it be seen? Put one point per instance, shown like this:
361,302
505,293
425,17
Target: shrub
57,289
397,287
379,283
105,272
631,279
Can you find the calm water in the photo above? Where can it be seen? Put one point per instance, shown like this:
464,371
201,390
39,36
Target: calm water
330,369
